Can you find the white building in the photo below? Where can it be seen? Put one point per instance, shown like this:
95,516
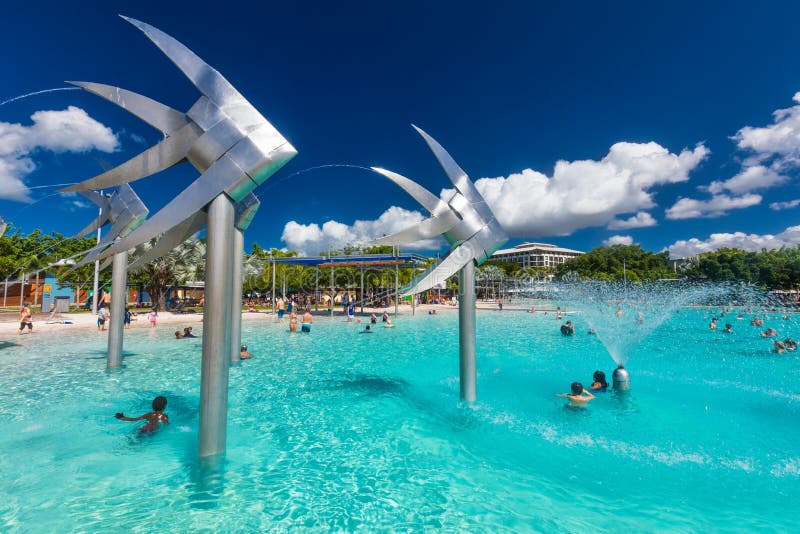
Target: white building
536,255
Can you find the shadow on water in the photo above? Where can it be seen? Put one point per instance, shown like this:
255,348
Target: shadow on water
103,355
8,344
456,416
369,385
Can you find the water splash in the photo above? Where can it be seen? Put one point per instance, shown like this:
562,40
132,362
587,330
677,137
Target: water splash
623,314
43,91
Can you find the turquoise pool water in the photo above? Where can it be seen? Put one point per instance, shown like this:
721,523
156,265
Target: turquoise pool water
342,431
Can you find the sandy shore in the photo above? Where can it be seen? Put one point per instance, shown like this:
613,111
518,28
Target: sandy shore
9,324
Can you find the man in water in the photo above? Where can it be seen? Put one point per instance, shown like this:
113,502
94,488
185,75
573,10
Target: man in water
308,320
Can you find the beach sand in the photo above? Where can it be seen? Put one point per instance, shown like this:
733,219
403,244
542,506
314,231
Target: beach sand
9,320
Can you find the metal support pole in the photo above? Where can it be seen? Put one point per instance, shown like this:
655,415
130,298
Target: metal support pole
273,287
5,293
333,288
362,291
216,327
236,295
466,332
119,297
97,270
36,289
316,288
413,305
396,289
22,291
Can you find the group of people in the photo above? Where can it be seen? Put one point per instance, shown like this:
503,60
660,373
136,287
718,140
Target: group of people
579,396
373,319
305,327
778,346
187,333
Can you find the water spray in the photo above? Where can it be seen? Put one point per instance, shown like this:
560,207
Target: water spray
26,95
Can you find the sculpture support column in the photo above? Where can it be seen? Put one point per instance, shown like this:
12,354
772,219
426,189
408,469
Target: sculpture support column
236,295
216,327
466,332
119,297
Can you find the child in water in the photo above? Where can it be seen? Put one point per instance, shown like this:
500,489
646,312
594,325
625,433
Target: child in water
153,418
599,383
578,397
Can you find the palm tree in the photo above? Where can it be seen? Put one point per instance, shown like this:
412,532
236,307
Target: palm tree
184,262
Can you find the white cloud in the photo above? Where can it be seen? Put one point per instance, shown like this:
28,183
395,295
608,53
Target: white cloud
780,140
618,240
580,194
777,206
640,220
70,130
688,208
750,179
752,242
585,193
311,239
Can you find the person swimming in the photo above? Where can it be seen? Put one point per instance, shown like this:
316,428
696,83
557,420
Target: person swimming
153,418
243,354
599,383
366,330
578,397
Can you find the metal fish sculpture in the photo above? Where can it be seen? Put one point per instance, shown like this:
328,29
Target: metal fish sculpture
223,136
123,209
465,221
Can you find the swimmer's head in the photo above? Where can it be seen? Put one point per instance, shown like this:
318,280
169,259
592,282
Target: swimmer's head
159,403
178,334
577,388
599,376
243,348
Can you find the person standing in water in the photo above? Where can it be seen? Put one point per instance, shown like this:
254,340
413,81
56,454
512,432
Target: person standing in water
25,318
599,383
578,397
308,320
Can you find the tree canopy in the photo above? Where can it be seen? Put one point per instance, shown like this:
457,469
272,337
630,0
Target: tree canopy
617,262
777,268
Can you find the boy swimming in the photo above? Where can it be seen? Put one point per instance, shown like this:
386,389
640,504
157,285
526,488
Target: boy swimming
153,418
579,396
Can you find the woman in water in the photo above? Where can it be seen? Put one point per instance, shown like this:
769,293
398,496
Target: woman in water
578,396
599,383
153,418
293,321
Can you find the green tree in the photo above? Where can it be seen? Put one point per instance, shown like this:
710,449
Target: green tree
185,262
618,261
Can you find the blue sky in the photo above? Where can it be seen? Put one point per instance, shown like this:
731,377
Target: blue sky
582,123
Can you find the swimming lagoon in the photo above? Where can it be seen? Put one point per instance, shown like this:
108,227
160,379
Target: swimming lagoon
338,430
